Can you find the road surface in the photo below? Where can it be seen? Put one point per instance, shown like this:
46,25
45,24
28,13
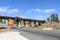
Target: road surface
35,36
27,34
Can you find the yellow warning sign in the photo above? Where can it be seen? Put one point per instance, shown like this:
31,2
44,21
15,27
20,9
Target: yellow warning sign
10,21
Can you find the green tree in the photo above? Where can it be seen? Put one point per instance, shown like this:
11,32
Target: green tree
54,17
48,19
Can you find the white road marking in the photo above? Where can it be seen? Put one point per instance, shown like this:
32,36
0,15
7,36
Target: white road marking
12,36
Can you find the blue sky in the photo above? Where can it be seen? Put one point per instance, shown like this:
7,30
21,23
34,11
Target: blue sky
33,9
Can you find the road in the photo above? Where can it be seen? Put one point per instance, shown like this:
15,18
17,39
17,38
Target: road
30,34
35,36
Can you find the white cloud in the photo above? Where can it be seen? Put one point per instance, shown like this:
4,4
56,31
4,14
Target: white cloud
41,10
34,10
13,11
29,11
49,10
40,16
7,10
23,16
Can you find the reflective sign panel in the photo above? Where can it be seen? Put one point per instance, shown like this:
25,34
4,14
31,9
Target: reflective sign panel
10,22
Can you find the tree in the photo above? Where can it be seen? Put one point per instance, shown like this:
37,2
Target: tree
48,19
54,17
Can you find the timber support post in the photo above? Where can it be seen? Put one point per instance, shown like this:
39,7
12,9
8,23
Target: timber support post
24,23
34,23
30,23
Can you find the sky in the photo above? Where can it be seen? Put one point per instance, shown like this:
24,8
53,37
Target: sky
32,9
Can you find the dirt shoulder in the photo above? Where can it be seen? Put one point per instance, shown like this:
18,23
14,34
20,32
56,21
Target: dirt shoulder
4,30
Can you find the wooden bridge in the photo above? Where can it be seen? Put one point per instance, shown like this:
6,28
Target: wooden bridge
24,21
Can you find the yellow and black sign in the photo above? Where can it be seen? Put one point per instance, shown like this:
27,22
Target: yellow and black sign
10,22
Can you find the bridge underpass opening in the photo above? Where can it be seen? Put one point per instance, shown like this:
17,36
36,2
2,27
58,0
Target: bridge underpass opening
10,23
3,23
21,22
24,23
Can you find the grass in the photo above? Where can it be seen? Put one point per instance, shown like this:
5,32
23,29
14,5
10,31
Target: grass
48,25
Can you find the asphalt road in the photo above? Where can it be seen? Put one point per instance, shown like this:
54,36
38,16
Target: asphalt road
41,35
34,36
